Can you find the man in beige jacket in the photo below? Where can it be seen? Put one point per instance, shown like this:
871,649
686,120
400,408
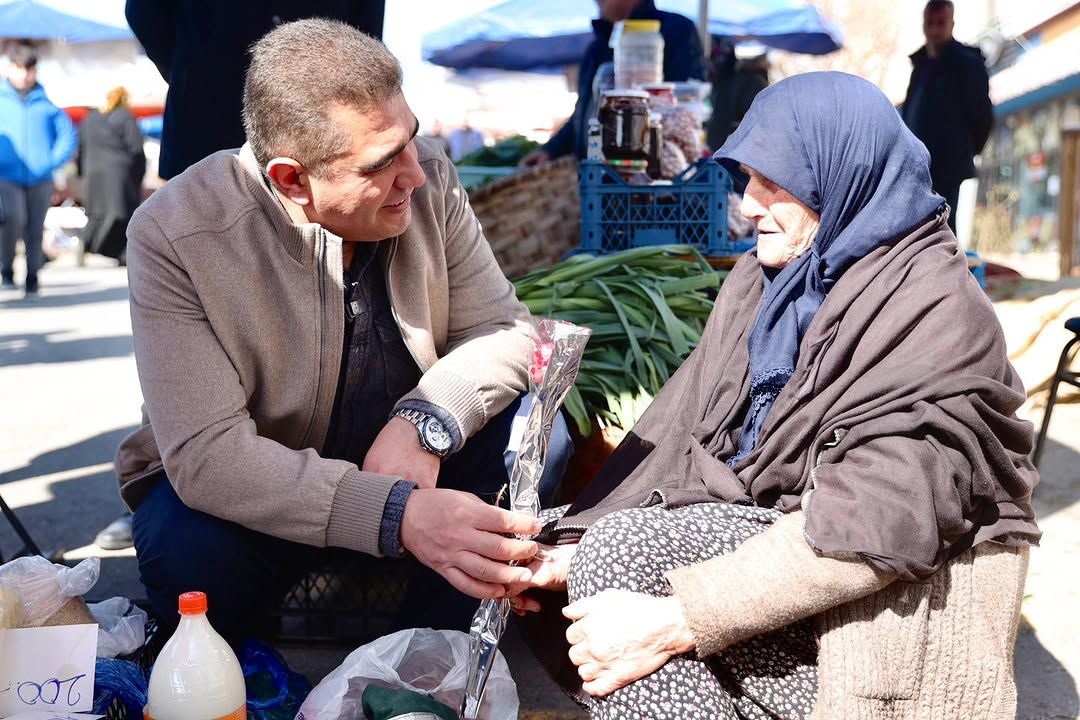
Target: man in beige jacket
330,356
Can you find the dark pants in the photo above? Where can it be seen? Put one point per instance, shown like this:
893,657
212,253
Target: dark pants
23,209
950,190
245,574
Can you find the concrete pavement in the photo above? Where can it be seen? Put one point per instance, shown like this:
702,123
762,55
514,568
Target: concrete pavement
69,393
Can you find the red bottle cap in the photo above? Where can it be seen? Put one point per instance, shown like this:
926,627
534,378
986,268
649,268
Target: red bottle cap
193,603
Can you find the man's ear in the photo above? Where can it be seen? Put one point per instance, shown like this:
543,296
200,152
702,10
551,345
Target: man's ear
290,178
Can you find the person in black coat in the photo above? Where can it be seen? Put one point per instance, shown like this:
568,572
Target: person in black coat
948,103
735,84
200,48
684,59
112,165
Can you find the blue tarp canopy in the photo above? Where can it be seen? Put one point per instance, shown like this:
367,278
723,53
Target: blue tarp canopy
71,20
537,34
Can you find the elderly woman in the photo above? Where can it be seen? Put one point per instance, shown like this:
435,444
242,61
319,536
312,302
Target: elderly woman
826,512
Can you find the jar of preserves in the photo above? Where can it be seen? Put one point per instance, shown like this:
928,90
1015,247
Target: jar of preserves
624,124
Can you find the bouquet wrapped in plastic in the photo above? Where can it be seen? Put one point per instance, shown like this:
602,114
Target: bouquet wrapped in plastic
558,347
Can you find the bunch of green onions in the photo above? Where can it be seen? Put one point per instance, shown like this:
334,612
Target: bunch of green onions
646,307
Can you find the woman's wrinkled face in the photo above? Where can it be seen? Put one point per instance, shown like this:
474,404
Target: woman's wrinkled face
786,228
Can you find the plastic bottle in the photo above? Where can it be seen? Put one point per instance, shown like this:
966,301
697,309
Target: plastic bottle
595,147
639,53
196,676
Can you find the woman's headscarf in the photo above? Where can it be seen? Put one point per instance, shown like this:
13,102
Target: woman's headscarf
837,145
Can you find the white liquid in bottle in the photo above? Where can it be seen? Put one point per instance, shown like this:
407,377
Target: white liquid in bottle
197,676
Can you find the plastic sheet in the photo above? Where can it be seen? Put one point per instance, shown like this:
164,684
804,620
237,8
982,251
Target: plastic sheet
121,626
274,692
432,662
43,587
120,680
557,351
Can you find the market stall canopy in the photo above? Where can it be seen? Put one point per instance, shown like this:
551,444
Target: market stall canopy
75,21
536,34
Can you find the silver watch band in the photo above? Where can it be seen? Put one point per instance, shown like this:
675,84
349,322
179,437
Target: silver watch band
418,418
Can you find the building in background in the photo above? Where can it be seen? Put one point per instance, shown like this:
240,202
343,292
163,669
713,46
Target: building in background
1027,192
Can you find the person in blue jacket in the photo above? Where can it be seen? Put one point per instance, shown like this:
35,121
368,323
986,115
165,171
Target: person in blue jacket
684,59
36,138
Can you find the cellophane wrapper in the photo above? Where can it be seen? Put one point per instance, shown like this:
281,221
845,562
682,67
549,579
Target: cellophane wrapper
557,350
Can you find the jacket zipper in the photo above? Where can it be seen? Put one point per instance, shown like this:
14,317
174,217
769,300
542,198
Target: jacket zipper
321,265
393,308
838,435
566,531
562,533
26,140
836,438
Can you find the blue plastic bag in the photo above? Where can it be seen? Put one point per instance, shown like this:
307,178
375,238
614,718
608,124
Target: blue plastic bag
274,692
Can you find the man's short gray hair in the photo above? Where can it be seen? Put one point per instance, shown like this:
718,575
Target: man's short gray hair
298,72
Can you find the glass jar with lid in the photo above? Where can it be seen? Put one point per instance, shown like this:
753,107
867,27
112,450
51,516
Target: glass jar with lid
624,124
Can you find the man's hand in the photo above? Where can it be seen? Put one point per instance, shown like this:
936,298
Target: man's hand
549,569
397,452
620,636
536,158
459,536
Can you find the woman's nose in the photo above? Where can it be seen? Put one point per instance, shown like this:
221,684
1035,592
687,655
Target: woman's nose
750,207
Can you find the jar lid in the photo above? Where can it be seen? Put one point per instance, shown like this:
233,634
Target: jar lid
641,25
658,87
636,94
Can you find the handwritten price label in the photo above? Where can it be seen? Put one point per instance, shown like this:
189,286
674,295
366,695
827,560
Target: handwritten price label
49,669
53,691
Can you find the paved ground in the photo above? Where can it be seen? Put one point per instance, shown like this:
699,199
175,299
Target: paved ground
68,393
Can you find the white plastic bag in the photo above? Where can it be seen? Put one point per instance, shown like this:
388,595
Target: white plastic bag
121,626
434,662
44,587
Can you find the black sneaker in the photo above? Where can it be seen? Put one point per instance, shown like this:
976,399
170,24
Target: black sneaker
31,288
7,281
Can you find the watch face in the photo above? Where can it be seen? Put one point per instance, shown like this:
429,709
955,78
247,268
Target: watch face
436,435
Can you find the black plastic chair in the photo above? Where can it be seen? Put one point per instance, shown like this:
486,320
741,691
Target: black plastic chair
1062,375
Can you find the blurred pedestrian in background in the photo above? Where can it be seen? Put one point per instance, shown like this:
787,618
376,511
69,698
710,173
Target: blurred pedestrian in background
464,140
200,48
684,59
735,83
112,165
436,134
36,138
948,103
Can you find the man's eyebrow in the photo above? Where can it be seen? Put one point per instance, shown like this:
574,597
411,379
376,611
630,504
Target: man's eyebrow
385,159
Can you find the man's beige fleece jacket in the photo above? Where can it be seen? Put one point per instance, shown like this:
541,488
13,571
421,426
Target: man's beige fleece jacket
238,315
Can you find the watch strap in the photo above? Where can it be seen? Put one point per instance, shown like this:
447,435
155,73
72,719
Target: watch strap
417,418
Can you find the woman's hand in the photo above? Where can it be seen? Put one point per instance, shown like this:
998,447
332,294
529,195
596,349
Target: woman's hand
620,636
549,569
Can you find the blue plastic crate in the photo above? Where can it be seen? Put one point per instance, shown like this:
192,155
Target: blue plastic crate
692,210
977,267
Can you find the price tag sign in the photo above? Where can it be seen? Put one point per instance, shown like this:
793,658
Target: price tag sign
47,668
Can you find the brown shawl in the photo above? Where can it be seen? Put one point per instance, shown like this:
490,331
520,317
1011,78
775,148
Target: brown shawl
896,434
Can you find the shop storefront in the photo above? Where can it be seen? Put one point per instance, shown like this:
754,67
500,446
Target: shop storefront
1023,176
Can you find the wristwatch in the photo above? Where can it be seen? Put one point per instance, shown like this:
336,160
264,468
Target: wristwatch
433,434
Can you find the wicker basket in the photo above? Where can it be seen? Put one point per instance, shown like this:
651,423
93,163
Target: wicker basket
531,218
